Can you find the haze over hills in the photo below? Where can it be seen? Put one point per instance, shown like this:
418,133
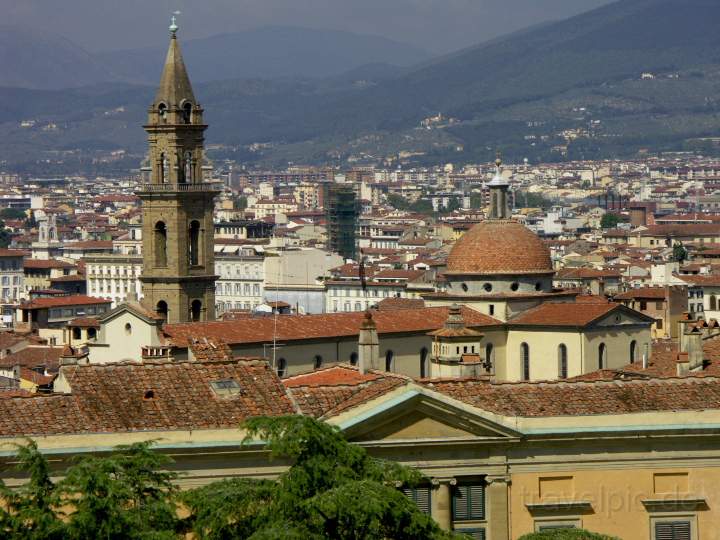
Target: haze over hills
520,93
269,53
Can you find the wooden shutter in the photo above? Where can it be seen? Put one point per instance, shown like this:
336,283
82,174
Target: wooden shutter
475,534
420,496
469,502
672,530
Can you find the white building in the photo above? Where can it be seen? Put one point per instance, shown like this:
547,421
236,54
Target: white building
240,282
114,276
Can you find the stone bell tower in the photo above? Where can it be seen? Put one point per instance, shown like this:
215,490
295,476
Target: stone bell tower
178,260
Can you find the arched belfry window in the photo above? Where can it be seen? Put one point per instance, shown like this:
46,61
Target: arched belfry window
195,310
187,112
162,172
194,242
160,236
162,309
162,112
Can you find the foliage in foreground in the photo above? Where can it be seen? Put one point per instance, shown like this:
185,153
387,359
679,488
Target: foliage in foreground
567,534
333,489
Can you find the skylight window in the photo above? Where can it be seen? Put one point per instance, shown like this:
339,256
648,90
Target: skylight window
225,387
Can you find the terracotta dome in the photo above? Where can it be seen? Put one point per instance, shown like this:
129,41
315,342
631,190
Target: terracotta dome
499,247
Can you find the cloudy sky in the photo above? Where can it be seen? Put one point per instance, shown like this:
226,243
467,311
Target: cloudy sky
435,25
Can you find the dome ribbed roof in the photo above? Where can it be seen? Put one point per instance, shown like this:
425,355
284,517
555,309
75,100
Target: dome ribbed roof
499,247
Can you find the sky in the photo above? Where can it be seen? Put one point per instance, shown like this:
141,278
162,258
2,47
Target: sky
438,26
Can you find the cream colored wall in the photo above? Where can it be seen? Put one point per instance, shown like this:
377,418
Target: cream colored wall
122,346
616,497
544,358
618,347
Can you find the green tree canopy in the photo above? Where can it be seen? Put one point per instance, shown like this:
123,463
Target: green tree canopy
609,220
12,213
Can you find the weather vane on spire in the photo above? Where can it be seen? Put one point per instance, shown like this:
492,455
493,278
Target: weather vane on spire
173,23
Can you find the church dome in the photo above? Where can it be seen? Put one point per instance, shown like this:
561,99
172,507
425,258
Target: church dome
499,247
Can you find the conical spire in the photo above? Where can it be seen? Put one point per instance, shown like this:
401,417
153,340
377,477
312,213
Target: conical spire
175,84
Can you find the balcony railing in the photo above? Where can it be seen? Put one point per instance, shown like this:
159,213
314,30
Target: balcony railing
168,188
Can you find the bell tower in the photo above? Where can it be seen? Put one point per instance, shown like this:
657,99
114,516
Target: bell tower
178,278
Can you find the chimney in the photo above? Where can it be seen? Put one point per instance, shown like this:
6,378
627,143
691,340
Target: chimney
368,344
696,355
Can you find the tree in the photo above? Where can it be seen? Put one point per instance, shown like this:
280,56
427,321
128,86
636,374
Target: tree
12,213
317,497
609,220
398,201
567,534
680,254
5,236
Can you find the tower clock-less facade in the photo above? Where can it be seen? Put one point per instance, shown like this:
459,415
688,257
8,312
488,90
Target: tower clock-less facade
178,261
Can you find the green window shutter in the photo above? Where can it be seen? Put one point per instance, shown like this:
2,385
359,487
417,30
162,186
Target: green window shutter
672,530
469,502
420,496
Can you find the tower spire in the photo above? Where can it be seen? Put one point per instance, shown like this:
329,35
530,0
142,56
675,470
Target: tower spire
175,87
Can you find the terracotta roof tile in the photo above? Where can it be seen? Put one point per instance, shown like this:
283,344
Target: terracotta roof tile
301,327
564,314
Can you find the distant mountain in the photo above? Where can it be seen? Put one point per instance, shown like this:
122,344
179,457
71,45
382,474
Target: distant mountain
570,89
33,59
268,53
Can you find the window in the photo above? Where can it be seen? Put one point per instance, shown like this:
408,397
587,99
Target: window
353,358
162,309
194,234
281,367
680,529
633,351
491,309
525,358
659,323
659,304
464,287
317,361
187,112
602,356
225,387
487,287
420,496
468,502
475,534
515,286
562,361
160,246
423,362
195,310
128,329
643,305
92,333
389,357
713,302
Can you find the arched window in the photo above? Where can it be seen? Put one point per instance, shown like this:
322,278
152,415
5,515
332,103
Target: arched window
194,242
187,112
160,244
195,310
602,356
562,361
76,333
633,351
489,355
162,112
713,302
163,168
317,361
525,358
188,167
389,356
162,309
353,358
423,362
281,367
92,333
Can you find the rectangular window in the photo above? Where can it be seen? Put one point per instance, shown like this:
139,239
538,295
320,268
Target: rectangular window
475,534
643,306
659,304
672,530
659,323
420,496
468,502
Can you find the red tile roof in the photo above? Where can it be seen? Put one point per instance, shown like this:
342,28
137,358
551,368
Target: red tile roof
32,357
301,327
42,264
585,398
564,314
118,398
655,293
62,301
